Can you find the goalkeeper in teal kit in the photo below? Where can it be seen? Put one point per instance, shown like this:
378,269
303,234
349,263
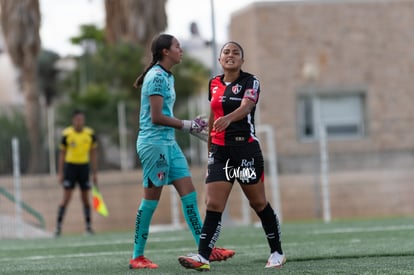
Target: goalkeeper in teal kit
162,160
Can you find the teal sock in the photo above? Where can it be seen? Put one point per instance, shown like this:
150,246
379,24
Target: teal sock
192,215
142,223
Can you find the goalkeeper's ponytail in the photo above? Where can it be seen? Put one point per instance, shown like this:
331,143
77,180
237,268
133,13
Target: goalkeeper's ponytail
161,42
140,79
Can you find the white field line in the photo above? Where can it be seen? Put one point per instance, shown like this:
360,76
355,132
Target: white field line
88,243
171,239
345,230
92,254
75,255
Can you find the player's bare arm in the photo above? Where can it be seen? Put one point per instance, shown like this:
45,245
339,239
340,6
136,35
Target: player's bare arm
158,118
241,112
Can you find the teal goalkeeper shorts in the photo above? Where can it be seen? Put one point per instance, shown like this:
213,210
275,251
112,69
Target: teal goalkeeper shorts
162,164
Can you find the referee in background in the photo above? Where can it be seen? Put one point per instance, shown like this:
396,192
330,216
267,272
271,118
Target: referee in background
77,156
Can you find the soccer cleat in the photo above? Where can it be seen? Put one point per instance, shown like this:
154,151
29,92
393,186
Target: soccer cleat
194,261
220,254
57,232
141,262
89,232
276,260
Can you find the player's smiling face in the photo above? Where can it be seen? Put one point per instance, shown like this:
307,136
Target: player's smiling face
231,57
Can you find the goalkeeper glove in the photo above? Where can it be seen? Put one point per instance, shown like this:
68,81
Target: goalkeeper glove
196,125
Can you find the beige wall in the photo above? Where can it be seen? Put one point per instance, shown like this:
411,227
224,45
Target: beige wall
365,44
353,195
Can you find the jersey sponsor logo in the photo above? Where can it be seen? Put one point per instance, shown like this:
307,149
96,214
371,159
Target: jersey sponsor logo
236,89
193,217
138,225
161,162
157,80
215,90
245,172
235,98
210,158
157,85
215,237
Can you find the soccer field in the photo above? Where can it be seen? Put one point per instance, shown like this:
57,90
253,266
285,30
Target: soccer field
382,246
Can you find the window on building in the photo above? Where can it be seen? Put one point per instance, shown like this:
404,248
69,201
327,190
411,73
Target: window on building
342,115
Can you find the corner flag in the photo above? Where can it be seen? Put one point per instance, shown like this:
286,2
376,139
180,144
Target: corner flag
98,202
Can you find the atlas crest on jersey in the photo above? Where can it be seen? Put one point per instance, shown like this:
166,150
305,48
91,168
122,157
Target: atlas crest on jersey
236,89
161,175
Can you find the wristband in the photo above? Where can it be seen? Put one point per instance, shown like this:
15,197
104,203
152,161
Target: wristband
186,125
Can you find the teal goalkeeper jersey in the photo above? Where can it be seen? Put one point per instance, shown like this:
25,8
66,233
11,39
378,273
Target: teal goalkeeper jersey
157,81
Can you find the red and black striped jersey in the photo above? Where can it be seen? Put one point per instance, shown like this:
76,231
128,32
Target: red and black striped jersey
224,99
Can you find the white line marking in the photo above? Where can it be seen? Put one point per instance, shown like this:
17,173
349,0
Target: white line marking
363,229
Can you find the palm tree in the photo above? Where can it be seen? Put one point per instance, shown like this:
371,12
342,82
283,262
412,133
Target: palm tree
21,22
134,21
116,23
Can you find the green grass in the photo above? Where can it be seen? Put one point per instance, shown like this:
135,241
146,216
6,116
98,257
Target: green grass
382,246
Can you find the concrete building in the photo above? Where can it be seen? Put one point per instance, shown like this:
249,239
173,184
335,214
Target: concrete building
202,49
344,65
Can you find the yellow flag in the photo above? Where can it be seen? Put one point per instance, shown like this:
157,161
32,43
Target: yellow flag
98,202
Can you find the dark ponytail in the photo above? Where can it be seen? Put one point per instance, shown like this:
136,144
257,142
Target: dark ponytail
159,43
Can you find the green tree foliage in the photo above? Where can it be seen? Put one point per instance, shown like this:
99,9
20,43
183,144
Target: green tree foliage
99,105
191,77
89,32
13,124
110,71
117,67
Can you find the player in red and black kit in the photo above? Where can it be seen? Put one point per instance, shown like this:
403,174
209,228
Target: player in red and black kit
225,98
234,154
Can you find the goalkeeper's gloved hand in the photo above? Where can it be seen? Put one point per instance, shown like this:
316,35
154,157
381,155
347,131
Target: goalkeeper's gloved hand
196,125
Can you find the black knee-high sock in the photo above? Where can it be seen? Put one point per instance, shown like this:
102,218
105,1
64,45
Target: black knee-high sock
87,213
60,216
271,227
209,233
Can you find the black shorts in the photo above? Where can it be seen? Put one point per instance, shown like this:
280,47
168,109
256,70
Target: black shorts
227,163
76,173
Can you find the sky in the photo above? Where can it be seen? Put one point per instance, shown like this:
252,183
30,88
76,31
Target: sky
61,19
